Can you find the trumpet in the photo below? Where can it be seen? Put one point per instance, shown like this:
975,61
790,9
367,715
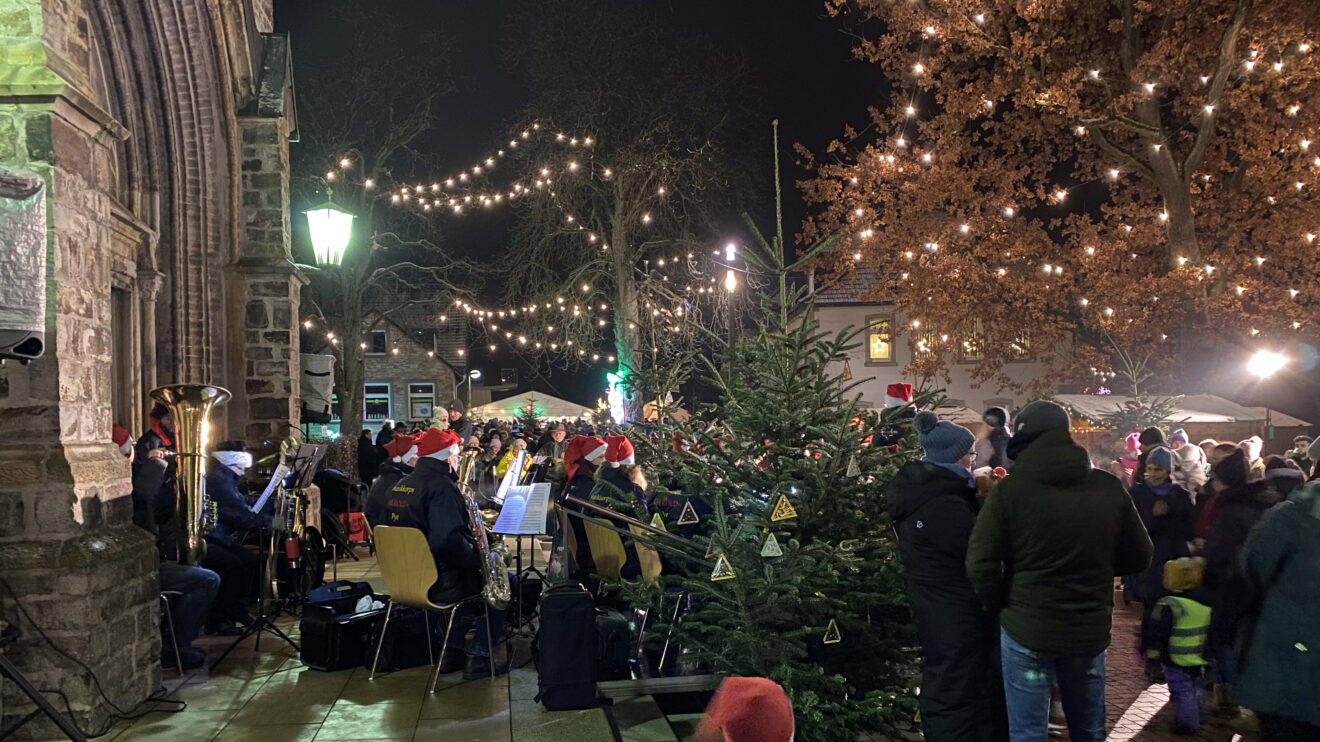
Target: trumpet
494,582
191,405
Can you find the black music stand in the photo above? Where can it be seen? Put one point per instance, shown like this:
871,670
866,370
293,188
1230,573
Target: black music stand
525,511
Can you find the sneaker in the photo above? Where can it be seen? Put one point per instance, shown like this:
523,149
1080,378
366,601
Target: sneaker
452,660
479,667
192,657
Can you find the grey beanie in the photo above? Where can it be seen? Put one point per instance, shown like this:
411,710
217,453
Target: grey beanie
1161,457
943,441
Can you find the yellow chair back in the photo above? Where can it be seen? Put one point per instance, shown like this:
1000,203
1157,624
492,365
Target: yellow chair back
606,549
406,564
648,557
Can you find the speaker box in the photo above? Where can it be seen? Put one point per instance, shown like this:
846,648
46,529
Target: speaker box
22,264
318,381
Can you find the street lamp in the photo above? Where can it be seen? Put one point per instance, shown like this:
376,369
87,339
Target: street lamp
331,227
1263,364
473,374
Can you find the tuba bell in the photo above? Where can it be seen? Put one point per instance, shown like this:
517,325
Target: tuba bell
191,405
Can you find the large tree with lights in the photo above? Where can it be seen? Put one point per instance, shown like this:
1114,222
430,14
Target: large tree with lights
1118,174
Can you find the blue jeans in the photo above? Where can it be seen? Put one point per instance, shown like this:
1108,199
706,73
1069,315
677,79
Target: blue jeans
1028,676
1187,690
481,641
198,586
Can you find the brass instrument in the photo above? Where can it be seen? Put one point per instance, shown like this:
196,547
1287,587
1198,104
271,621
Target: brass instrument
494,582
191,406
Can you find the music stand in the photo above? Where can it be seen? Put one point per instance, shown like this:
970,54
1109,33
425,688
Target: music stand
524,513
262,621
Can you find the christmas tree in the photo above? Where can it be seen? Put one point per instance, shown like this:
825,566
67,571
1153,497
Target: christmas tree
800,581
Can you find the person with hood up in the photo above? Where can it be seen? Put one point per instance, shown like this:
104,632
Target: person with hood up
1283,476
402,453
992,449
932,504
1252,447
1190,469
581,459
1125,466
1044,552
1281,677
1166,510
1239,505
429,500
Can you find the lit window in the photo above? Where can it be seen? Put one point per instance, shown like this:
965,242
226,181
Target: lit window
879,344
971,343
421,400
376,402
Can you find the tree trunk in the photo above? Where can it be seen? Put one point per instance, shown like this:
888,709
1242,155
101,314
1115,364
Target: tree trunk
1181,226
352,356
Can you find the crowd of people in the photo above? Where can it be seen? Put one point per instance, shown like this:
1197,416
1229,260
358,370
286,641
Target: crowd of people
1011,576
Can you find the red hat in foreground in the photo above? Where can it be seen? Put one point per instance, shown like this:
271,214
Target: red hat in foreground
438,444
897,395
399,446
618,451
122,438
582,447
747,710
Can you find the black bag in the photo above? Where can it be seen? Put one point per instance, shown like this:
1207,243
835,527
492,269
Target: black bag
613,645
566,649
334,635
408,642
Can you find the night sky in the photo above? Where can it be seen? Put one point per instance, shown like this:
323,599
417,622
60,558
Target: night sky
800,59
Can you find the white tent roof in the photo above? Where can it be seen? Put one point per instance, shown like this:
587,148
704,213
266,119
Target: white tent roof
959,415
1192,408
545,405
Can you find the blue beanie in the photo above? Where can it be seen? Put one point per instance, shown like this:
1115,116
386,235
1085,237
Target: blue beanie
1161,457
943,441
1179,435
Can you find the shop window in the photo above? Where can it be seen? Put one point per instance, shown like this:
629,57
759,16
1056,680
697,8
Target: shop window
421,400
879,341
376,402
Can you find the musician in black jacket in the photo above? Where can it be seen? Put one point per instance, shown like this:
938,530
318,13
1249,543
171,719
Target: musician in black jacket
429,500
402,455
581,459
237,566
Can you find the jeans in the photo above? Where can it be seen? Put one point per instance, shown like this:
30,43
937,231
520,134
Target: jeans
1187,690
481,641
1028,676
198,586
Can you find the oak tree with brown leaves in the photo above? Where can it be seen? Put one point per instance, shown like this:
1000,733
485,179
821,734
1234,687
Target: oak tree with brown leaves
1063,178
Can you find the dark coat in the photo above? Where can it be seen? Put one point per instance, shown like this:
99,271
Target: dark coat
366,461
1233,595
614,490
388,474
464,427
1169,534
1282,560
1048,543
232,510
962,698
154,491
428,499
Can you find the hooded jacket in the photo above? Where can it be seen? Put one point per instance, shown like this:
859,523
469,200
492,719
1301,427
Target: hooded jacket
933,510
1048,544
1239,510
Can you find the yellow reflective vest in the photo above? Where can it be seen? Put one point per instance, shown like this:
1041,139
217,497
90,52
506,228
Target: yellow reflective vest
1191,623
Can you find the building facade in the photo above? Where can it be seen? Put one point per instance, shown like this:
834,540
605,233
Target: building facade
155,134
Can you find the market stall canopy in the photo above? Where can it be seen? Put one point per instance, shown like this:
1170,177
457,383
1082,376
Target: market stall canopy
543,405
1192,408
959,415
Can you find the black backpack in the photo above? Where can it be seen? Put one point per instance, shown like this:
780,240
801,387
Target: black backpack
566,649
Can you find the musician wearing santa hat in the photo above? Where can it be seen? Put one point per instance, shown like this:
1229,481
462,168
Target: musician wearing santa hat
896,420
582,457
429,500
401,454
620,488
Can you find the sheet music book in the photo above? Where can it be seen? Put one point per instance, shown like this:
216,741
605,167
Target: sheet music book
511,476
524,511
281,472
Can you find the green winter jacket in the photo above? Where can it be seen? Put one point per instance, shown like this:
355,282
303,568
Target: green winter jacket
1048,544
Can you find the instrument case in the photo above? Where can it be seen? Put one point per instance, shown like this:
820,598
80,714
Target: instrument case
334,635
566,648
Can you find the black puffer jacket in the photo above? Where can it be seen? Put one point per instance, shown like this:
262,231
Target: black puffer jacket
933,510
1235,600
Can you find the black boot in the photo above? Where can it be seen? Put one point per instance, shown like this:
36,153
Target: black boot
479,667
452,660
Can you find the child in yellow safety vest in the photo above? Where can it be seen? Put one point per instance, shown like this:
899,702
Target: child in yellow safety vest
1177,632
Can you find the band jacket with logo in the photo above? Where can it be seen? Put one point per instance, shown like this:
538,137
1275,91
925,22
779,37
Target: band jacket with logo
429,500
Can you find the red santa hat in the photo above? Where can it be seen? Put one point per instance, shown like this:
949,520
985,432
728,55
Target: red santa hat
399,446
438,444
587,447
618,451
897,395
747,710
121,437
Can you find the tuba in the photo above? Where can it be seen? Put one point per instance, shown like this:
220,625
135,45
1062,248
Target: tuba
191,405
494,582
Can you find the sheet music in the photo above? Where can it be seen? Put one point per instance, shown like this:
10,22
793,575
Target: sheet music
281,472
524,511
511,476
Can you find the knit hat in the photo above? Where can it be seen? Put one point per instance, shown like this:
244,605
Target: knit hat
618,451
438,444
897,395
996,417
119,434
1251,447
1033,421
747,710
1132,443
1161,457
399,445
1179,436
1151,437
456,405
1231,471
943,441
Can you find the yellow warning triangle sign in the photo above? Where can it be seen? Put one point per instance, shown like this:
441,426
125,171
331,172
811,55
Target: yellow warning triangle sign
832,635
689,515
853,468
771,547
658,522
783,510
723,570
